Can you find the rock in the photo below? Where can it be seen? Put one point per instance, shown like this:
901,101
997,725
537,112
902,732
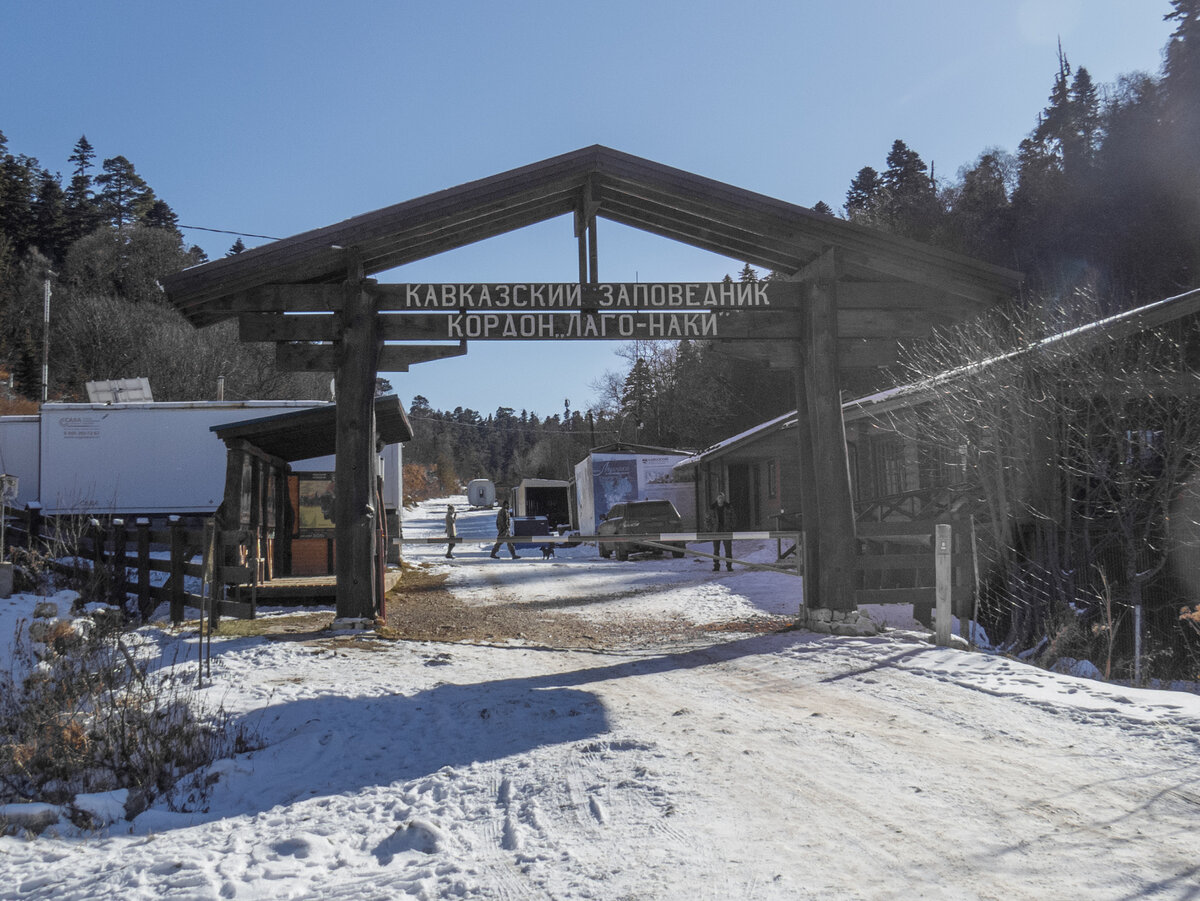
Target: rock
46,610
35,818
38,630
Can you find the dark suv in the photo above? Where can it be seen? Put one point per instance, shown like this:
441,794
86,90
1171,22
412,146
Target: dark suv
639,518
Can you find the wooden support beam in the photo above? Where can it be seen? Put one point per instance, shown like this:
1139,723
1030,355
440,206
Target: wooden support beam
355,515
837,545
809,515
392,357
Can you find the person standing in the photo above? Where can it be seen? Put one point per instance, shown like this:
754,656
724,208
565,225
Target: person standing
503,530
721,520
451,529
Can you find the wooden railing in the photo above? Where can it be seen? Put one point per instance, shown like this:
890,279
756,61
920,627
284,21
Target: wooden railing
121,558
928,564
922,504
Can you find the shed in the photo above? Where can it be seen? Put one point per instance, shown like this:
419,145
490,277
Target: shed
261,492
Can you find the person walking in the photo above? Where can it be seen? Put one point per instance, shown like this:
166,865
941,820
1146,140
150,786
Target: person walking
451,529
720,519
503,530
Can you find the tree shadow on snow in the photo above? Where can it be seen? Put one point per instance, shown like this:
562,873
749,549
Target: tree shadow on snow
335,745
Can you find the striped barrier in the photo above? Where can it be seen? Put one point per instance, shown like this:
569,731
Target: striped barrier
581,539
653,542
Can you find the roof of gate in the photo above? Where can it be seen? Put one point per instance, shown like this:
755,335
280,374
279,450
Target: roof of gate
639,193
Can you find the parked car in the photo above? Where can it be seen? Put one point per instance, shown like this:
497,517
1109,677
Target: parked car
639,518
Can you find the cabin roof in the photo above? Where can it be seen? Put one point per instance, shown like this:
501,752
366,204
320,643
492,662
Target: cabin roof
311,432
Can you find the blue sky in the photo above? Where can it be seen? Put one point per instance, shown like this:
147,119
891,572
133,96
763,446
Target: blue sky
274,117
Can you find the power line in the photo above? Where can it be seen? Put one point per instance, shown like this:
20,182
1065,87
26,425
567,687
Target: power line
225,231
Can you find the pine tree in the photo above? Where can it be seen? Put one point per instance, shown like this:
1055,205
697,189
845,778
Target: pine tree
125,195
979,214
864,197
18,179
909,200
1181,88
236,248
81,213
636,395
159,215
50,230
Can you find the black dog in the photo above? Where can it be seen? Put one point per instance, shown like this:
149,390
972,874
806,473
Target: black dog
547,551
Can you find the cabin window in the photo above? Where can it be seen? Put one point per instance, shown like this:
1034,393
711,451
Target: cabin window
891,466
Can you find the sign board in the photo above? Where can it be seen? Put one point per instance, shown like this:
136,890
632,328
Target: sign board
314,507
568,296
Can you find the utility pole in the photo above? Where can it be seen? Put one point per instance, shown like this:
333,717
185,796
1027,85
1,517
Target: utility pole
46,334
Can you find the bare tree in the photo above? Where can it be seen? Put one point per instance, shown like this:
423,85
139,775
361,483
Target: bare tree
1081,442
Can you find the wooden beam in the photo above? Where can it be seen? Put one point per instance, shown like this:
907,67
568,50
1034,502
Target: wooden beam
392,357
355,516
806,448
837,546
279,327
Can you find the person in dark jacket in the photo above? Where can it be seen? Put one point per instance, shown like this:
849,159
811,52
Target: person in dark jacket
503,530
720,519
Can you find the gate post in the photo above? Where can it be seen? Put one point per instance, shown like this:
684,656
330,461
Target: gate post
354,483
834,515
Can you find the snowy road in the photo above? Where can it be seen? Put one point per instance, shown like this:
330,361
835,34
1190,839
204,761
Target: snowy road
762,767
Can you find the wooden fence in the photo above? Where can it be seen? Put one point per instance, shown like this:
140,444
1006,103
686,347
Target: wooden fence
928,564
120,559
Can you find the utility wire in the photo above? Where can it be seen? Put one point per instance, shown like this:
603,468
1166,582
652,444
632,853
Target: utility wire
225,231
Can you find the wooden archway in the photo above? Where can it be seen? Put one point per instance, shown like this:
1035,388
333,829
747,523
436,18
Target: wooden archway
856,292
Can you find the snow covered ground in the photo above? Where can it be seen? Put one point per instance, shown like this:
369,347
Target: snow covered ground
748,766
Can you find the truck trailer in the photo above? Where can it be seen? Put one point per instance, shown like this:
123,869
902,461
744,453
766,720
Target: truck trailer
140,458
550,498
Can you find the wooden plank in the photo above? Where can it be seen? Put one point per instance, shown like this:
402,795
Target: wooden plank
574,297
806,447
897,295
237,574
885,530
958,594
392,357
235,609
279,327
293,298
855,323
876,562
600,326
306,357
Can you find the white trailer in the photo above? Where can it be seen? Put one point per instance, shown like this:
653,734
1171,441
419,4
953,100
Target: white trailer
544,497
606,478
149,458
481,493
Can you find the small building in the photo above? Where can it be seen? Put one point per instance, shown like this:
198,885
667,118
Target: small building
290,513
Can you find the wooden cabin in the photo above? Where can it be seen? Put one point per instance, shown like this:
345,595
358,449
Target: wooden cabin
269,502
